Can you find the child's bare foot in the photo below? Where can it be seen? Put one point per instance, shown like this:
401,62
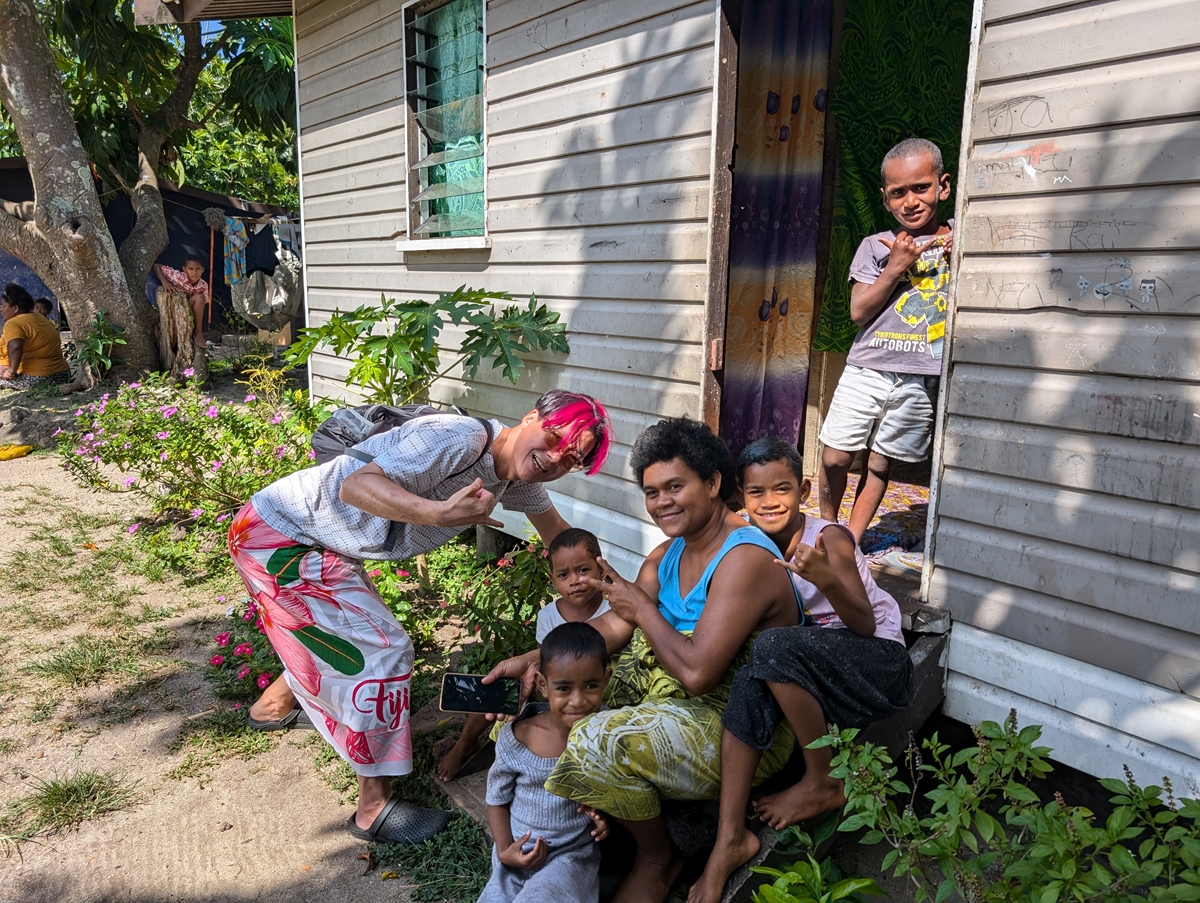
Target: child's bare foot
726,856
809,798
454,759
650,881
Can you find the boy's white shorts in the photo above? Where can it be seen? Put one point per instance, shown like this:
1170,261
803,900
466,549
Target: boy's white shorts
890,413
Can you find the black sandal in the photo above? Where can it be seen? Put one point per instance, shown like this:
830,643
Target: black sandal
296,719
401,822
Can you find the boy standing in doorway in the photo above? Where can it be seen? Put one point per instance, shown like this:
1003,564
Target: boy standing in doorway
884,400
191,282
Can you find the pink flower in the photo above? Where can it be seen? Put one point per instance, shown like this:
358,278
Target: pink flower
189,372
220,598
244,649
217,660
244,672
162,434
221,517
222,639
545,553
278,417
503,563
250,398
216,465
312,455
129,481
237,705
258,622
79,413
196,512
56,432
444,604
163,456
133,528
211,412
264,681
375,573
168,411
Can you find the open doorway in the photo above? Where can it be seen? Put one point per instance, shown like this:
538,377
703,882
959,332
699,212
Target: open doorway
824,89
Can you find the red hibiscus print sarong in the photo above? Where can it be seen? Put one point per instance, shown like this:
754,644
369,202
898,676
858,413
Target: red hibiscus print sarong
345,656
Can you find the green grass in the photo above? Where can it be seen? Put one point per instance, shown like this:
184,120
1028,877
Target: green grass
88,660
214,737
58,804
43,711
454,866
8,746
334,770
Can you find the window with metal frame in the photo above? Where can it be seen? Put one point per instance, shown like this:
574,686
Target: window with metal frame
443,48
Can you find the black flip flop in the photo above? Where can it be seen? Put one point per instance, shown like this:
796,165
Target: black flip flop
296,719
401,822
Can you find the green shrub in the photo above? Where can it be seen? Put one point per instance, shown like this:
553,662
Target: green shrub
243,663
989,838
197,460
499,605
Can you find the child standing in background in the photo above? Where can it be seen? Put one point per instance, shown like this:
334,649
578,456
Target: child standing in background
546,846
884,400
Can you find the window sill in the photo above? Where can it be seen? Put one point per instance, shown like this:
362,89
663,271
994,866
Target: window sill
469,243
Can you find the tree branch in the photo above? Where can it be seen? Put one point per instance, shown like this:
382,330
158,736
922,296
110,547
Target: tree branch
149,237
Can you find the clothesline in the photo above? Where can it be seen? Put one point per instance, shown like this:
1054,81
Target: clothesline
255,218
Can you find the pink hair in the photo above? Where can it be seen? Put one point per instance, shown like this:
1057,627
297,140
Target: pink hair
574,414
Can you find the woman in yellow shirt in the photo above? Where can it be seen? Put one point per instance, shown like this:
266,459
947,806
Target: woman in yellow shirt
30,350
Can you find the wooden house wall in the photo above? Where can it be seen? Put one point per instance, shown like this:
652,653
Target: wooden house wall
598,166
1067,531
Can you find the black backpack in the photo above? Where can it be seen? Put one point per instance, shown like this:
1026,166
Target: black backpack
347,427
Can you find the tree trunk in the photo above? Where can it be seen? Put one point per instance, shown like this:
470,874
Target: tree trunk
62,234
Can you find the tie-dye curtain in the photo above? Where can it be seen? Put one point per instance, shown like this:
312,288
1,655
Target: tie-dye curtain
783,60
902,73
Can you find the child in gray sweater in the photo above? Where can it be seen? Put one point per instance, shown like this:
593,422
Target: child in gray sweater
546,846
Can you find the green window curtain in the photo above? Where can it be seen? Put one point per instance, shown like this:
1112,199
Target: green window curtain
445,65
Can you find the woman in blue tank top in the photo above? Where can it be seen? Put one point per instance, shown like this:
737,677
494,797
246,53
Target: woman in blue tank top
684,628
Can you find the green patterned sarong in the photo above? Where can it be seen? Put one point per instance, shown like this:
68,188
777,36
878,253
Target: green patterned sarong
661,742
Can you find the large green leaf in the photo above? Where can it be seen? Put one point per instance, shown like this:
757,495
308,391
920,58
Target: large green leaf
284,563
337,652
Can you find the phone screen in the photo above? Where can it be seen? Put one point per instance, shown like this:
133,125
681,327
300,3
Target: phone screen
468,693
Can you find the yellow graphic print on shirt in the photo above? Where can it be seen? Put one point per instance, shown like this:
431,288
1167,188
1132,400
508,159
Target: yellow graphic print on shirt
926,300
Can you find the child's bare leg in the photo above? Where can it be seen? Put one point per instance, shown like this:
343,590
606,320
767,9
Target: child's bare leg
816,792
476,726
656,866
871,489
735,844
198,319
276,701
831,482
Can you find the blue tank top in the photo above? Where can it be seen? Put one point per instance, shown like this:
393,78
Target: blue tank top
681,613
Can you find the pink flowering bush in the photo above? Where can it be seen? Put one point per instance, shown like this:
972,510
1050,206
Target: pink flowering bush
193,458
398,588
244,663
499,604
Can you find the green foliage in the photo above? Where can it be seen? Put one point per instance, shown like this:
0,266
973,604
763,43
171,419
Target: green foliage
395,343
403,599
455,865
988,837
57,804
95,348
809,881
195,459
87,660
499,604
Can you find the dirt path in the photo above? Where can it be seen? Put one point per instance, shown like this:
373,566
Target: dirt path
265,828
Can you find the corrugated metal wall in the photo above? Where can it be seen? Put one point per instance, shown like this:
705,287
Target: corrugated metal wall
599,116
1067,512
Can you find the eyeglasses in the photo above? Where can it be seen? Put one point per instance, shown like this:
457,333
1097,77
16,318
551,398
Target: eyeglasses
569,459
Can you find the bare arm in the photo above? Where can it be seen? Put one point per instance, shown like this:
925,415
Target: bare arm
830,566
866,301
548,524
741,597
16,349
370,490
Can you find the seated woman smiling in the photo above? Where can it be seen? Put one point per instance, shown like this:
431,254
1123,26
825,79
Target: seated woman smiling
685,627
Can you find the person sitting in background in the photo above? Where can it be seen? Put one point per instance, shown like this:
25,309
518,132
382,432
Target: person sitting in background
30,351
573,555
45,307
190,281
545,845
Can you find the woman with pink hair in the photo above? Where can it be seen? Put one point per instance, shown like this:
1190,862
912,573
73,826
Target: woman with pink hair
299,545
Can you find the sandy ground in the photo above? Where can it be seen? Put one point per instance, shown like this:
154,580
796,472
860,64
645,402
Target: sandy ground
266,829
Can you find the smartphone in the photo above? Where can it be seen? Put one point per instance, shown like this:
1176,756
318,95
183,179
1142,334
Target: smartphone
468,693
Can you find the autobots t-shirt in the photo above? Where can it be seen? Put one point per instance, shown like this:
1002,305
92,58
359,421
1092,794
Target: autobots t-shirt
906,336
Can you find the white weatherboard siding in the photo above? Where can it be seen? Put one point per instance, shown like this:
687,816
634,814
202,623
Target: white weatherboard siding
599,116
1067,529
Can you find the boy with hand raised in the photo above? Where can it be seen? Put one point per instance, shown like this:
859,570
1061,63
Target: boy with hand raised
884,400
846,663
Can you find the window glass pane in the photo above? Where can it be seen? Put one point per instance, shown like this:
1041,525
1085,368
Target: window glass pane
445,87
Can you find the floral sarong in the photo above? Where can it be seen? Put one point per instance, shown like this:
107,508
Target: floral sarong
663,743
345,656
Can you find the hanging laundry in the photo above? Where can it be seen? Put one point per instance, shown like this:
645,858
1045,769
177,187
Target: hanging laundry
236,240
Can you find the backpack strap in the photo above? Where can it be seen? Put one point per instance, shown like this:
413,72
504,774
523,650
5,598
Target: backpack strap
394,529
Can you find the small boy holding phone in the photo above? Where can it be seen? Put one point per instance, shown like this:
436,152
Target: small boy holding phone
573,555
546,846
